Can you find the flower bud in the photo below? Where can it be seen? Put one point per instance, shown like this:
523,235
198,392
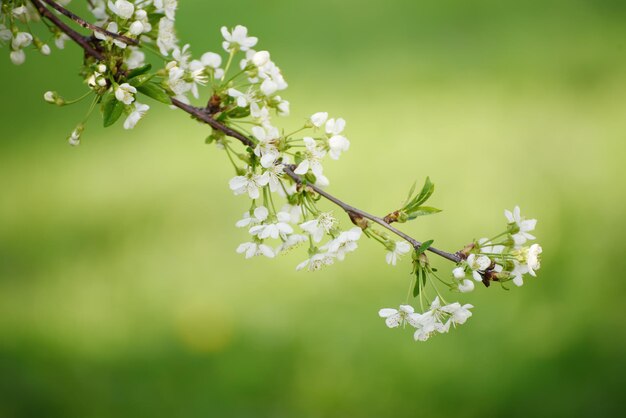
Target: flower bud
18,57
136,28
45,49
261,58
458,273
74,138
101,68
211,59
53,98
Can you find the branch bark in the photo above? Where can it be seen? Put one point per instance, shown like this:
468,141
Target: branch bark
75,36
88,25
203,115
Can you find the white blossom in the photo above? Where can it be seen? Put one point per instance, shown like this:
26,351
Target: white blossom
122,8
312,161
113,28
243,99
168,7
532,259
477,264
400,248
125,93
292,241
5,34
294,211
335,126
246,184
337,145
459,313
60,40
465,286
271,177
139,110
238,39
166,38
280,228
21,40
459,273
252,249
211,59
260,58
319,226
523,225
18,57
260,214
396,317
319,118
316,262
135,59
345,243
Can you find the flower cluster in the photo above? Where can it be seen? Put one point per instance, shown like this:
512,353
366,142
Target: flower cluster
281,174
15,19
506,257
436,320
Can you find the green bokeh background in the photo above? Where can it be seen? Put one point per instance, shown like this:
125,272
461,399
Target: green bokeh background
121,294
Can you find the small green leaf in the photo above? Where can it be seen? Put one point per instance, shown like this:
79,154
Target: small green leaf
427,190
424,246
112,109
139,71
418,285
154,91
408,198
140,79
423,211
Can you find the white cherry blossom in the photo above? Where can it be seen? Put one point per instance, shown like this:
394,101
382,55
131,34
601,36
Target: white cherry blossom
122,8
125,93
250,184
251,249
238,39
139,110
523,225
316,262
400,248
396,317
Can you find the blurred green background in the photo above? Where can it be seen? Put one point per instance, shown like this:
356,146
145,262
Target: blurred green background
121,294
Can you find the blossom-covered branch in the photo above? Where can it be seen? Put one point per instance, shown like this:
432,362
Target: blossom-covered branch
273,166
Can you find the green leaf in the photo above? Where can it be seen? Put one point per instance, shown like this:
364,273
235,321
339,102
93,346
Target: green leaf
154,91
408,198
422,211
112,109
139,71
416,288
427,190
424,246
140,79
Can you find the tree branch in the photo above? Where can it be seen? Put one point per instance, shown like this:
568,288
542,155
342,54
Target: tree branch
75,36
203,115
88,25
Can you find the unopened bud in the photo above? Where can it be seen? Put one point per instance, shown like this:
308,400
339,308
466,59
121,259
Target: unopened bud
45,49
54,98
261,58
74,138
101,68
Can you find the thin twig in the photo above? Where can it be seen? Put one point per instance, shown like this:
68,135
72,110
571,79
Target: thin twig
88,25
75,36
